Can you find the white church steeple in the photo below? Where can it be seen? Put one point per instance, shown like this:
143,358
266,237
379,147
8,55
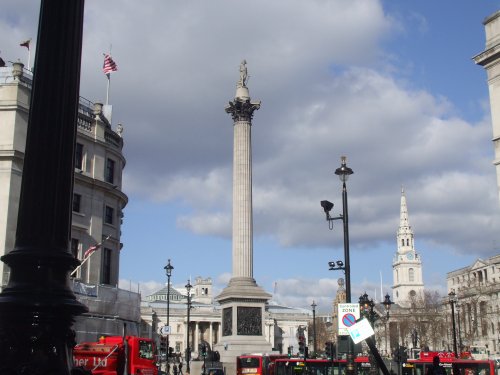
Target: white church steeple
407,265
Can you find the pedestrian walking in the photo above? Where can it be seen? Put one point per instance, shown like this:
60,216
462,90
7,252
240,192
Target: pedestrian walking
175,370
180,367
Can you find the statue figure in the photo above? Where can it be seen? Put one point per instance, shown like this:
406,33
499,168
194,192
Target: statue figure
243,74
119,129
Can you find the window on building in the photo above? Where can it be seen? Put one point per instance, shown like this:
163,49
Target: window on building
77,200
74,247
403,242
79,156
110,171
411,275
106,266
108,215
407,242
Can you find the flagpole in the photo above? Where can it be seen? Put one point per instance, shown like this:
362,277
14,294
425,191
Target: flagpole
107,89
81,264
29,59
97,247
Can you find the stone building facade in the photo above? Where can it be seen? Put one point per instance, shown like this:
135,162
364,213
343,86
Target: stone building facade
477,308
281,323
98,203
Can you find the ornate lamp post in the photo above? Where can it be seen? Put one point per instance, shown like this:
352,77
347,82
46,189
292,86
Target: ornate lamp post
343,172
188,349
452,296
313,305
168,270
387,304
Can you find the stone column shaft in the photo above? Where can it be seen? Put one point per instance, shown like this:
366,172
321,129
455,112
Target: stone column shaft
242,201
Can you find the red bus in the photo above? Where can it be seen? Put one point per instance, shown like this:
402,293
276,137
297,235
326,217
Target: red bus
257,363
452,365
319,366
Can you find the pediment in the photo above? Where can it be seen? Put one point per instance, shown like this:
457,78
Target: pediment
479,263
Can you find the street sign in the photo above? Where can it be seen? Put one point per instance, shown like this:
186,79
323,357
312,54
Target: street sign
361,331
348,313
164,330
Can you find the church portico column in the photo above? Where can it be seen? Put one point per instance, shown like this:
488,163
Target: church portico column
196,336
210,335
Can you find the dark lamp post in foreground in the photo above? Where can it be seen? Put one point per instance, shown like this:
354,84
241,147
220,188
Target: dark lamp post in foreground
188,348
453,300
343,172
168,270
38,306
313,305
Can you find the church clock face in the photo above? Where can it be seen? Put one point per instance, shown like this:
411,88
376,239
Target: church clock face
409,256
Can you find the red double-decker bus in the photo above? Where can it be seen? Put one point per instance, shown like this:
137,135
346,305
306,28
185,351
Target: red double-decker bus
319,366
257,363
451,364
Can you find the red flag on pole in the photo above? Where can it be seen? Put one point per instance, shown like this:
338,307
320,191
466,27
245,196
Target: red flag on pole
92,249
109,65
26,44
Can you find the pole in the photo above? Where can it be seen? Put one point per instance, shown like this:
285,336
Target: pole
459,330
350,369
38,306
452,302
188,349
314,328
168,322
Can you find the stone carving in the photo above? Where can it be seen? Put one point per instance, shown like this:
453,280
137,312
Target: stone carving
242,110
227,321
243,74
249,321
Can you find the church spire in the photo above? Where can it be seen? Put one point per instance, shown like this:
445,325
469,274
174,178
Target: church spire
405,233
407,265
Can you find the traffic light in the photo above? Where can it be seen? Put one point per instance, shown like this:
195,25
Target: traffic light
203,350
163,345
301,347
290,351
329,349
403,354
170,351
306,352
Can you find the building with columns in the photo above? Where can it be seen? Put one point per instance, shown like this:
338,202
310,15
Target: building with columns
490,60
98,203
281,323
477,307
406,264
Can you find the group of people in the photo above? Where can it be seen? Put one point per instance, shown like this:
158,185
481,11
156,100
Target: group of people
176,369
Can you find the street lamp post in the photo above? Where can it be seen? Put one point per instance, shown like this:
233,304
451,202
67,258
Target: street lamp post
387,304
168,270
459,329
452,297
344,172
188,349
313,305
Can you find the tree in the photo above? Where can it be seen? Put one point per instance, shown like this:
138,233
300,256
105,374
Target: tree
324,333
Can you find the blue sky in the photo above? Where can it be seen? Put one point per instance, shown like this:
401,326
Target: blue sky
390,84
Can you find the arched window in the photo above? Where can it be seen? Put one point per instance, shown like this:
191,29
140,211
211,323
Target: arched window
407,242
411,275
402,242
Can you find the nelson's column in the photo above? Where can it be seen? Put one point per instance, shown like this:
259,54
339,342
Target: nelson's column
242,301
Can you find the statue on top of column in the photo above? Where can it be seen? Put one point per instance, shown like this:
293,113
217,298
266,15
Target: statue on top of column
243,74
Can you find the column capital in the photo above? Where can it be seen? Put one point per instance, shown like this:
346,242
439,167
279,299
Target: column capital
241,109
